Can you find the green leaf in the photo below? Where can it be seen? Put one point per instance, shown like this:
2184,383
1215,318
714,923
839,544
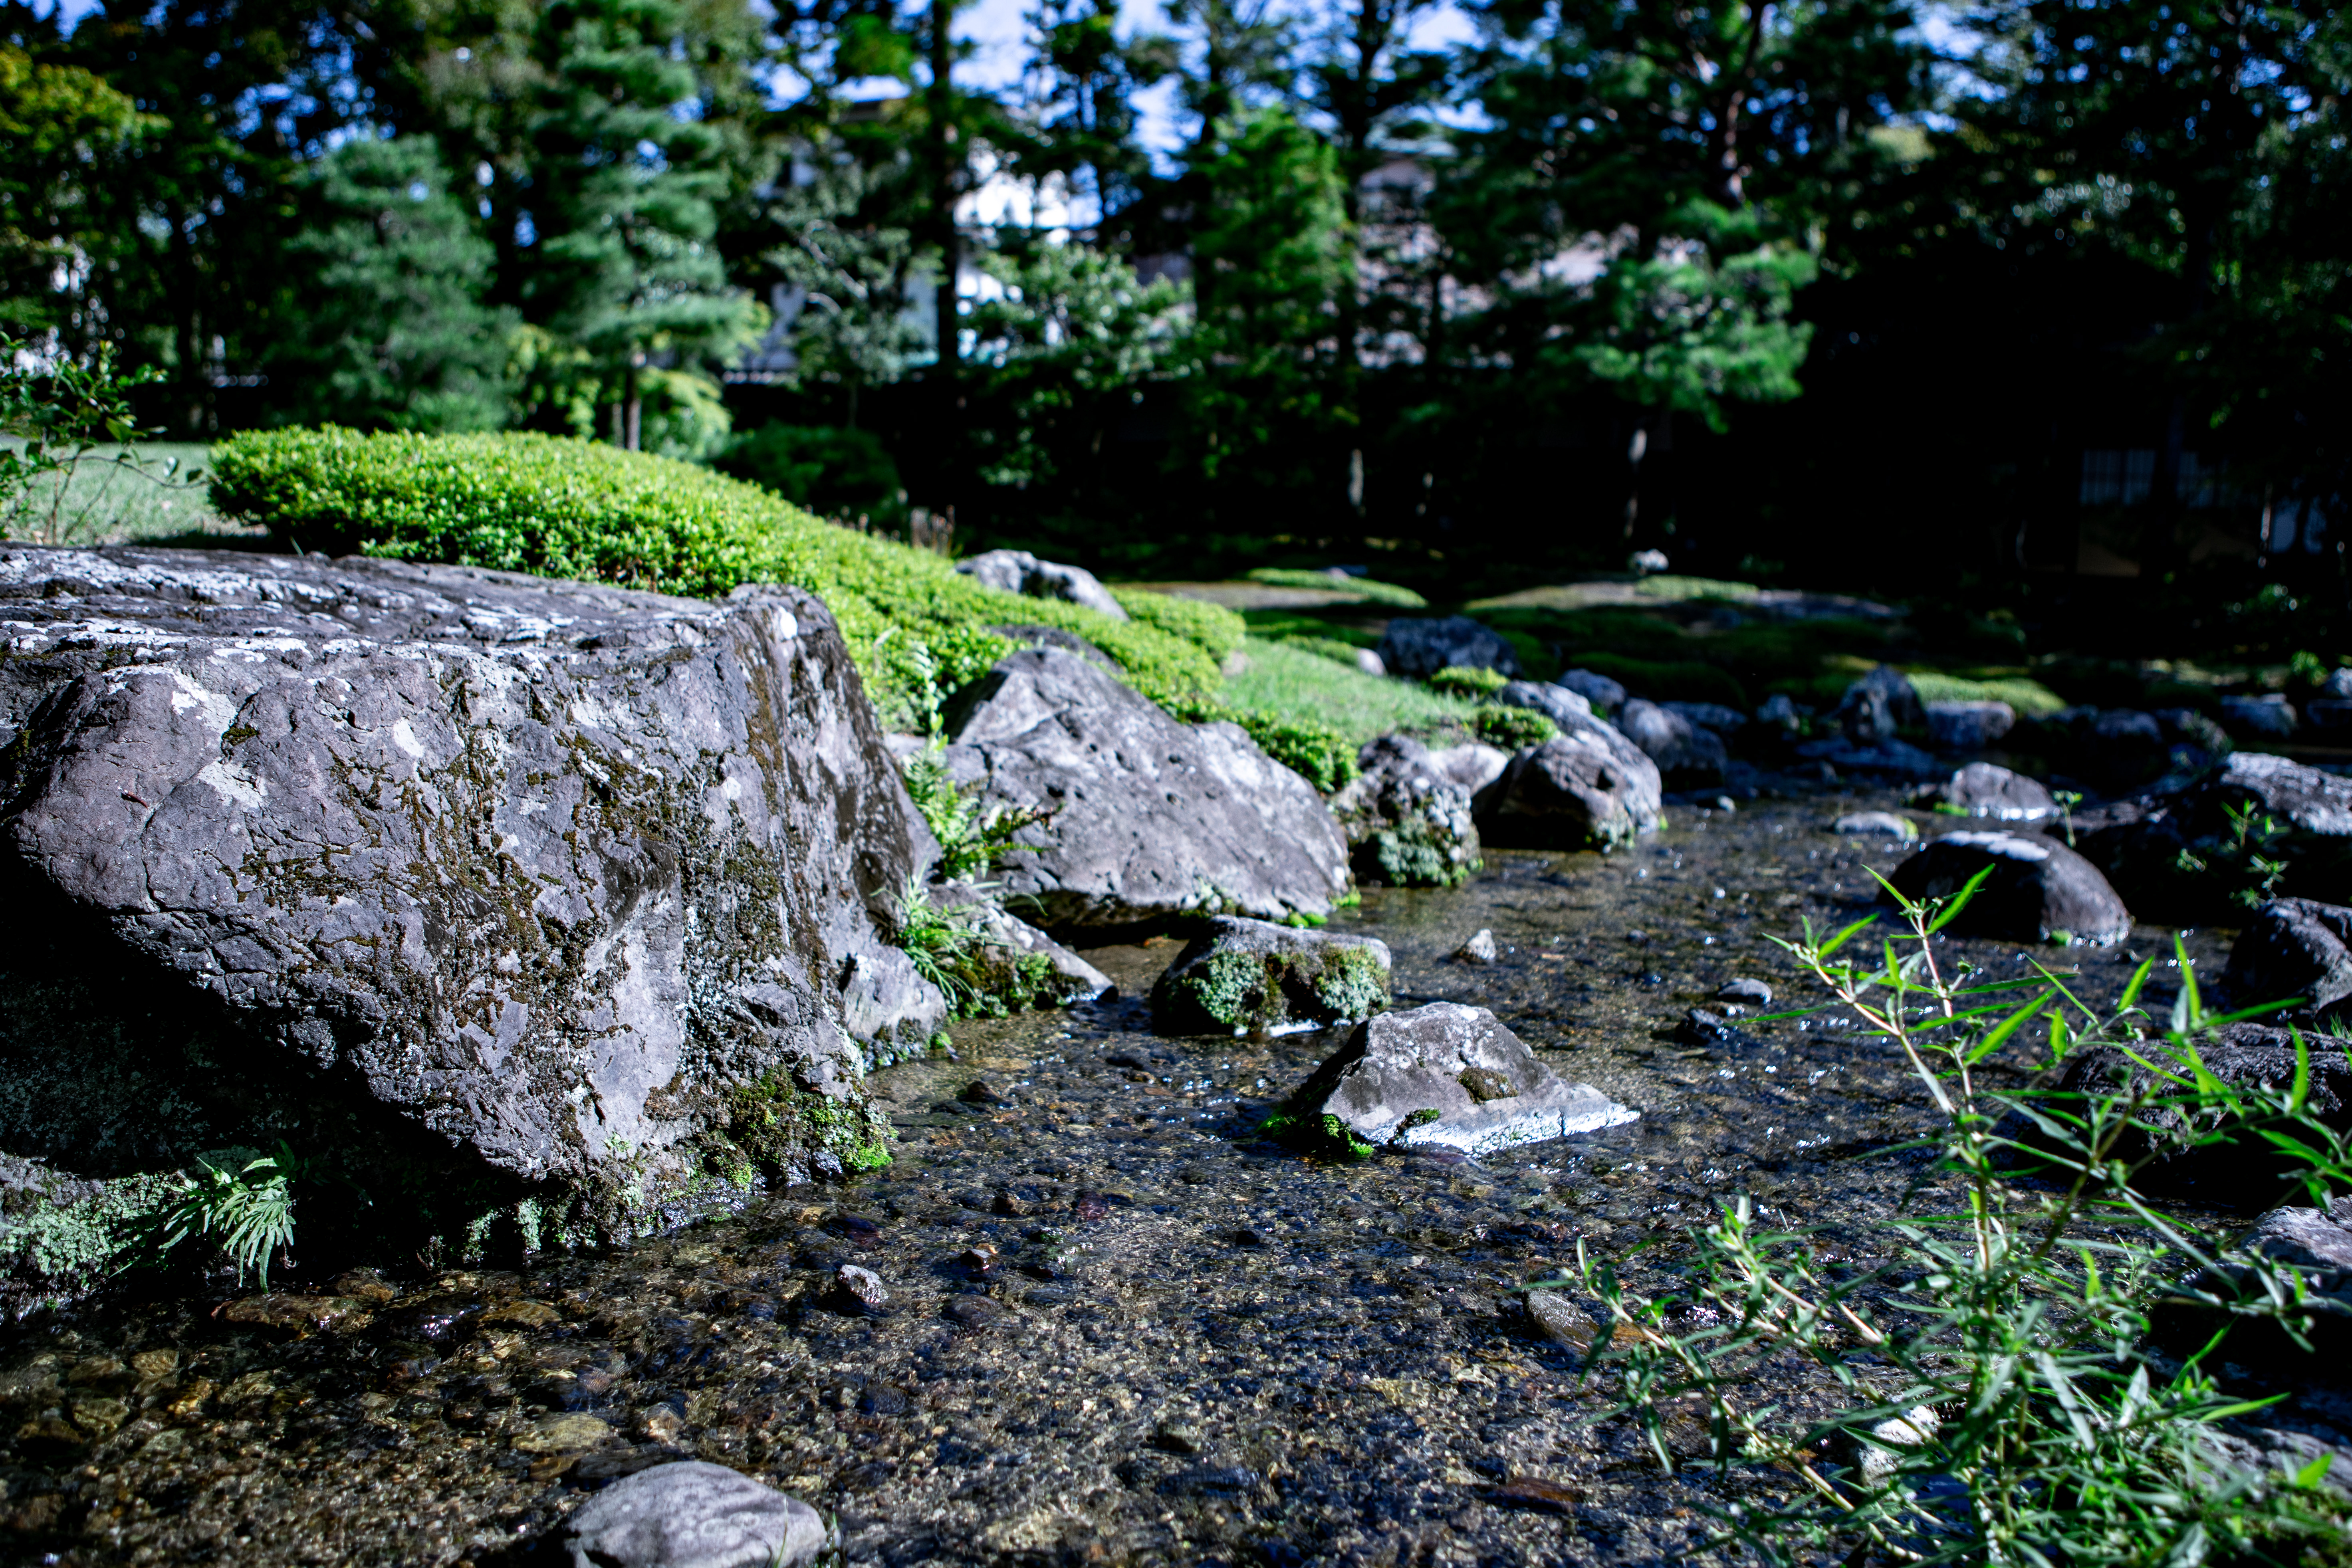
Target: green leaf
1960,901
1846,935
2139,979
2000,1033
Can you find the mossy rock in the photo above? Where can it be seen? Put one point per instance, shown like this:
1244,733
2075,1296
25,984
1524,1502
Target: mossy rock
1252,977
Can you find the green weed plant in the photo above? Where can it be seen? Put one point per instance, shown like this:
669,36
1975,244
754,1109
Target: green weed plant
1992,1392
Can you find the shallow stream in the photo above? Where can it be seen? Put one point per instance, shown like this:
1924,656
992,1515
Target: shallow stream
1121,1326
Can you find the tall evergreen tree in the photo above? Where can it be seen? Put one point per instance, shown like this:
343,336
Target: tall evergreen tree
624,203
389,327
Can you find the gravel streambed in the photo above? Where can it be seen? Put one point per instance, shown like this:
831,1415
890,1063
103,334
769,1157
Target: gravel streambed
1114,1325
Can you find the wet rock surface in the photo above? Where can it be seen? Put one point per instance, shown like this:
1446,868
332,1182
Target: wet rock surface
487,888
1246,976
2038,890
2294,948
1985,789
1420,646
1119,1320
1590,788
1149,818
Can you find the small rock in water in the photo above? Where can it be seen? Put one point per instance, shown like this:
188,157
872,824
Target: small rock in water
861,1290
1479,949
663,1424
1177,1436
1534,1493
1981,789
1884,823
561,1435
2294,947
1562,1322
693,1515
1753,991
1244,976
980,1091
1883,1450
1968,726
1700,1028
1454,1076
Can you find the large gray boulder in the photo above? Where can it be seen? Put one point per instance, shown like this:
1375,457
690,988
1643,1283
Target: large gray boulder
1420,646
1450,1077
1150,817
1684,752
691,1514
2038,888
1018,571
1252,977
1588,788
2293,947
468,884
1407,813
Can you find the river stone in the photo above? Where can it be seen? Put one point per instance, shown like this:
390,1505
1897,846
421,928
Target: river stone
1686,755
1725,722
1877,705
1018,571
1420,646
464,882
1876,825
2268,718
1004,939
1589,788
2139,841
2293,947
1602,694
691,1514
1968,726
1562,706
2038,888
1408,822
1984,789
1487,1090
1250,977
1151,819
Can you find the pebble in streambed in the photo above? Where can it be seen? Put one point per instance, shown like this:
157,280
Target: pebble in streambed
1106,1318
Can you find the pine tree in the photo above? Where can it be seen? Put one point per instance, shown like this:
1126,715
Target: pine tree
389,326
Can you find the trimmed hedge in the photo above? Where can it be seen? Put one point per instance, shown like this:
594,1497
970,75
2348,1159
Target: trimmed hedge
564,508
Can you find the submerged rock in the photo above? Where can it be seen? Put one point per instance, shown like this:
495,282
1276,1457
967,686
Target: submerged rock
2293,947
1248,977
1479,949
497,890
1454,1078
1149,818
1407,813
691,1514
1018,571
2039,888
1590,788
1420,646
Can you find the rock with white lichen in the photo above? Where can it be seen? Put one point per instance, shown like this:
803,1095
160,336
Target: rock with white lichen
1251,978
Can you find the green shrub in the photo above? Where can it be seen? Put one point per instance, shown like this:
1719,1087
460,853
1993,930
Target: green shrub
1473,681
1512,729
564,508
1362,588
832,472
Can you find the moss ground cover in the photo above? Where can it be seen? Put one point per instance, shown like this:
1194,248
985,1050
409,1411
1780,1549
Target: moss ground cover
1302,685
